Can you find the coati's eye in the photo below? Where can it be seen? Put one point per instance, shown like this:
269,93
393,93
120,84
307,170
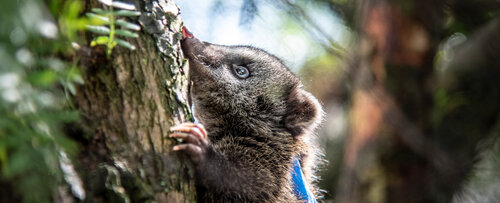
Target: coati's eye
241,71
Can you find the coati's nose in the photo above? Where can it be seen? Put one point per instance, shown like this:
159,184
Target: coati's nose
188,42
186,33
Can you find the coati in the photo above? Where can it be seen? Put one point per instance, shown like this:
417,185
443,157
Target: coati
255,120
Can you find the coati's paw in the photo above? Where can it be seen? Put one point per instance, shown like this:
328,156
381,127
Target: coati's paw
194,140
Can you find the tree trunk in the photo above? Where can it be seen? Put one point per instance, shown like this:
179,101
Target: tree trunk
128,104
408,142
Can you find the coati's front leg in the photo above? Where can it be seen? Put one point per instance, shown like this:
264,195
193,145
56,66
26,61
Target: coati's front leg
221,178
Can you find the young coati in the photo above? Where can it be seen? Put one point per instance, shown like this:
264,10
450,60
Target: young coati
255,122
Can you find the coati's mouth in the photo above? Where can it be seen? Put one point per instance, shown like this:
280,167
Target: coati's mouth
186,47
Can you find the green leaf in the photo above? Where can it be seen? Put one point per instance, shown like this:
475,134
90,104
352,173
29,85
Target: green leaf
78,79
98,29
116,13
19,161
98,19
125,24
71,88
127,13
101,11
125,44
74,75
3,156
43,78
101,40
123,5
73,9
118,4
126,33
70,20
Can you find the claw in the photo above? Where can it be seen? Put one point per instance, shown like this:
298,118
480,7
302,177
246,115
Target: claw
187,137
193,128
194,140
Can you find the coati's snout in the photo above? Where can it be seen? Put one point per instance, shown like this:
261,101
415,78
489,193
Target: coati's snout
201,52
191,46
202,58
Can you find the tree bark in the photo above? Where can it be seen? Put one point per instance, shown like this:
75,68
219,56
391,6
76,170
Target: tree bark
128,104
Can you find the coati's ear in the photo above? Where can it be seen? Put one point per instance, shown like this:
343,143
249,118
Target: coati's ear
304,112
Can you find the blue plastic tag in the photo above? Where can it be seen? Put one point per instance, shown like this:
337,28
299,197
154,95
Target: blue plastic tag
299,183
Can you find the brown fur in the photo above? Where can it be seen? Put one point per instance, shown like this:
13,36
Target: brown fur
256,125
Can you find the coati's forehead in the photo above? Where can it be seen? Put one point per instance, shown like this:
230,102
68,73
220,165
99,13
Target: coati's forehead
249,54
252,52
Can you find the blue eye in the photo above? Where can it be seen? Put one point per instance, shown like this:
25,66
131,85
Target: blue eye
241,72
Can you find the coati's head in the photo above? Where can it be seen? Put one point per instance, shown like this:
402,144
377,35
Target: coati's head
246,87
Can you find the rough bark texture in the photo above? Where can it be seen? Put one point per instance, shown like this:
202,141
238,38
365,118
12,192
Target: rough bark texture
405,145
129,103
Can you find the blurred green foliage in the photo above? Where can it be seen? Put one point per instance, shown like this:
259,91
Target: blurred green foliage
35,79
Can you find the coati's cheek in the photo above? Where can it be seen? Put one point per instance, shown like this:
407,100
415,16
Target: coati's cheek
197,71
